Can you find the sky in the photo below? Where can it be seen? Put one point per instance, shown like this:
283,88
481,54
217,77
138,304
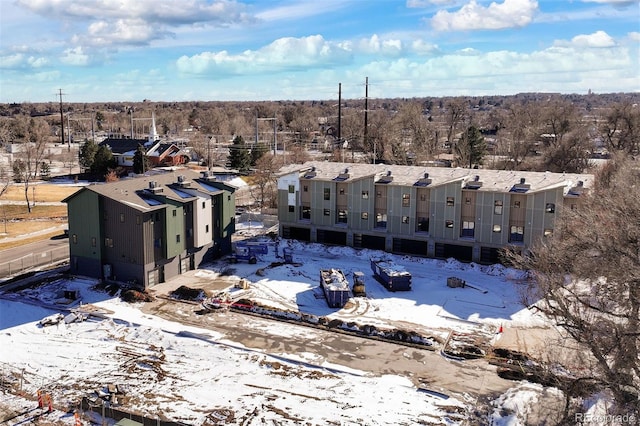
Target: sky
269,50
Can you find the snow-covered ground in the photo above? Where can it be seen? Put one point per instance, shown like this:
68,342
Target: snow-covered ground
196,375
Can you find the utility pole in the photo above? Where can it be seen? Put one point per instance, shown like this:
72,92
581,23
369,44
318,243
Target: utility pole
366,111
339,111
62,121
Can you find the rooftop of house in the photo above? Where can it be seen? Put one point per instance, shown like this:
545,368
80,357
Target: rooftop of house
476,179
123,145
148,192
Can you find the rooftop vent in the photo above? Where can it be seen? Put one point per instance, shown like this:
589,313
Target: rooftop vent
183,182
521,187
474,183
423,181
206,175
154,187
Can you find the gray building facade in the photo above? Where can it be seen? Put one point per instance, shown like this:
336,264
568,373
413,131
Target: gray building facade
146,230
468,214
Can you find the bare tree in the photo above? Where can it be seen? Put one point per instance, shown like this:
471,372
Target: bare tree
586,278
621,128
34,139
456,114
412,124
264,179
520,133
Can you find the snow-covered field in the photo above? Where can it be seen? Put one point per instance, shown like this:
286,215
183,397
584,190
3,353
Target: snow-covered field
196,375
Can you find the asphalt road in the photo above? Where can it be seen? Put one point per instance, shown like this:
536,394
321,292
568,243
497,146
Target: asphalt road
33,254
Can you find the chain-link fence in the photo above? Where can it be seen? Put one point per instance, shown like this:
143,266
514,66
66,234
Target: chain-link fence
33,261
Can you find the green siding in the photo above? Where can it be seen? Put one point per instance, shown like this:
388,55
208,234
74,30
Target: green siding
174,228
84,225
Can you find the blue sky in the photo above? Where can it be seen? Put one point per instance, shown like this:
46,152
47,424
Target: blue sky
183,50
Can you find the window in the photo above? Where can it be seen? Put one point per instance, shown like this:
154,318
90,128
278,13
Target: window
305,212
93,241
137,219
365,195
550,208
292,189
381,220
121,217
305,188
341,191
517,234
406,200
292,209
204,205
327,212
178,238
157,242
379,194
206,229
423,224
189,232
327,194
423,197
448,223
497,228
364,216
548,232
74,238
174,213
450,201
108,242
468,229
497,207
467,201
405,219
342,216
516,204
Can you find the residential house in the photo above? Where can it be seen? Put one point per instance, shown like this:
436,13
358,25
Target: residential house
468,214
146,230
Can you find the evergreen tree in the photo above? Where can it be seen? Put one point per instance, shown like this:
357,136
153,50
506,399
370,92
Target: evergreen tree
471,148
239,156
87,154
103,161
141,162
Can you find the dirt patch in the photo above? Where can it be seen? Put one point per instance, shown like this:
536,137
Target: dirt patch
44,192
187,293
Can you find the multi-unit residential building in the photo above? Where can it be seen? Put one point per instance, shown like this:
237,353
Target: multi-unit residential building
145,230
468,214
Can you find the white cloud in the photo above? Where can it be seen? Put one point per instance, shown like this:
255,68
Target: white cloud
22,61
597,39
283,54
75,56
135,21
376,45
634,36
472,16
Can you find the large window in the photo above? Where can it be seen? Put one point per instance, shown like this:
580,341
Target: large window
422,224
550,208
497,207
516,234
381,220
450,201
448,224
468,229
342,216
365,195
292,189
305,212
327,193
406,200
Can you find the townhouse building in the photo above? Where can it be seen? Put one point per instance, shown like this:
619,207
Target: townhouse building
146,230
468,214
